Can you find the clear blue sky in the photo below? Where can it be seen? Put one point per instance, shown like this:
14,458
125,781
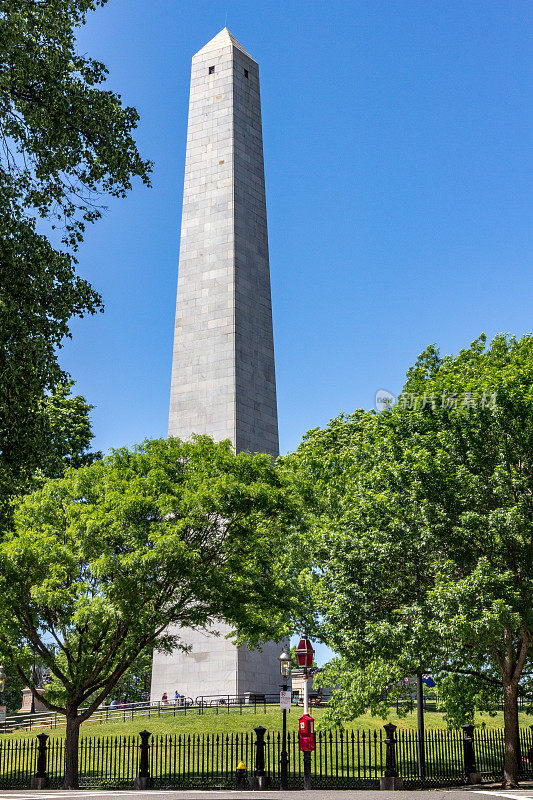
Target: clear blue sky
397,140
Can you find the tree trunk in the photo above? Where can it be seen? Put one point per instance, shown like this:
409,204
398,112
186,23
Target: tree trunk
511,735
72,736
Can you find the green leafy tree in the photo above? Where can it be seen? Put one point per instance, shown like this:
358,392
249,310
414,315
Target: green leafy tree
65,434
65,142
12,694
462,695
101,562
135,683
67,430
39,293
422,536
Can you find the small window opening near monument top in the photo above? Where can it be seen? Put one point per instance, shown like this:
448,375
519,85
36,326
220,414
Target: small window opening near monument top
211,70
245,73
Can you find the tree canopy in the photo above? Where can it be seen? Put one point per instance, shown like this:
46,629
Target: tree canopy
65,142
64,139
61,433
100,562
68,432
422,535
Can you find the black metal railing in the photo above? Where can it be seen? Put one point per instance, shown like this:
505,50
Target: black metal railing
342,759
128,712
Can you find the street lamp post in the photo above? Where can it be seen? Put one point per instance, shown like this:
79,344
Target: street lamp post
304,653
285,671
420,716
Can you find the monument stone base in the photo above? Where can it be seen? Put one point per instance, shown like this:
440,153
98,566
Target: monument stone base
27,703
473,777
215,669
39,783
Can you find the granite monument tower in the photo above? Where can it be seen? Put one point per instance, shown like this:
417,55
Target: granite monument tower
223,378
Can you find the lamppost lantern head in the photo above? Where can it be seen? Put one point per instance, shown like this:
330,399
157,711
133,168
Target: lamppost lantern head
284,664
305,652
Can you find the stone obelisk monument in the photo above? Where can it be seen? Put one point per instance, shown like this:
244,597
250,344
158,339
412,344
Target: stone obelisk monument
223,378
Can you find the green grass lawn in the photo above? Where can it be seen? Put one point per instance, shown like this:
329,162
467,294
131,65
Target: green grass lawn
235,722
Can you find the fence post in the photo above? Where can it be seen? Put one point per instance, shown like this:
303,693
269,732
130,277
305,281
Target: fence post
471,775
144,781
390,779
260,779
40,779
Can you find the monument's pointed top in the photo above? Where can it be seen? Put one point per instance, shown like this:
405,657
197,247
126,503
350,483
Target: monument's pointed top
223,39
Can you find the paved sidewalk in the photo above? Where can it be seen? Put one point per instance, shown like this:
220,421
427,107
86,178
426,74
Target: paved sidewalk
474,793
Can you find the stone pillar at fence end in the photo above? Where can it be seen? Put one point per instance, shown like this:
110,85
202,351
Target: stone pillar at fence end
40,779
260,779
143,780
471,774
390,779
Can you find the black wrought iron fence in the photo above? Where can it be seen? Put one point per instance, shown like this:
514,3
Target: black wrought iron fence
342,759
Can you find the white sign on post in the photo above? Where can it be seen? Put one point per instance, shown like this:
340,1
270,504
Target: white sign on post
284,700
3,713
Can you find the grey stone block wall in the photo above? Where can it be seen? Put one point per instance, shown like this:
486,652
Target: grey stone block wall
214,666
257,424
223,375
